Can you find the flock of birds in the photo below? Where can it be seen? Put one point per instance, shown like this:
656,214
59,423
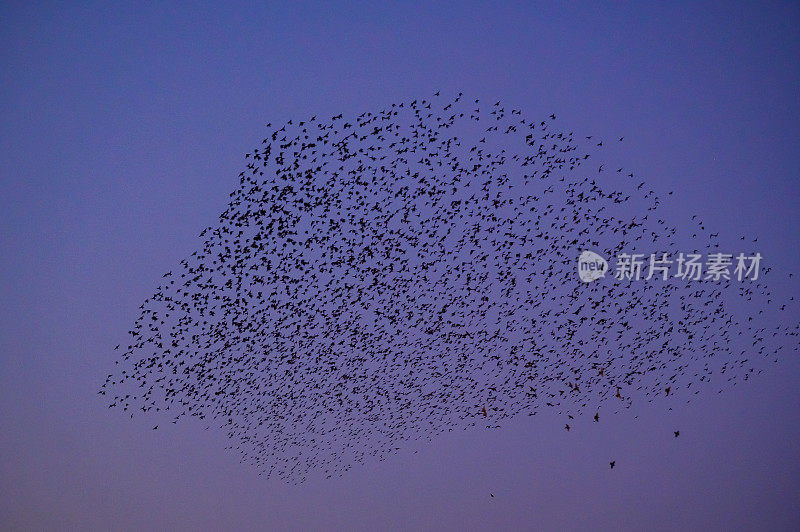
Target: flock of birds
394,275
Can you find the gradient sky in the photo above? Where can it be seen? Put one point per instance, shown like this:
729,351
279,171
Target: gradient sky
123,129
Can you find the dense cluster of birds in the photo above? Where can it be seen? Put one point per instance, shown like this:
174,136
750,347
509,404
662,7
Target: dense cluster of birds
394,275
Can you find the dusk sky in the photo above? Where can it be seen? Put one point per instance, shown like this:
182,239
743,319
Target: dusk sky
123,130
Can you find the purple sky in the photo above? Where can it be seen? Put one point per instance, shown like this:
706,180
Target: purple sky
123,129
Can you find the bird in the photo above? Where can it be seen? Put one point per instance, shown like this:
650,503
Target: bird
677,433
612,463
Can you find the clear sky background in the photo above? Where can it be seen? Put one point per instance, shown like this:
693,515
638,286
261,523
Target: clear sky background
123,128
